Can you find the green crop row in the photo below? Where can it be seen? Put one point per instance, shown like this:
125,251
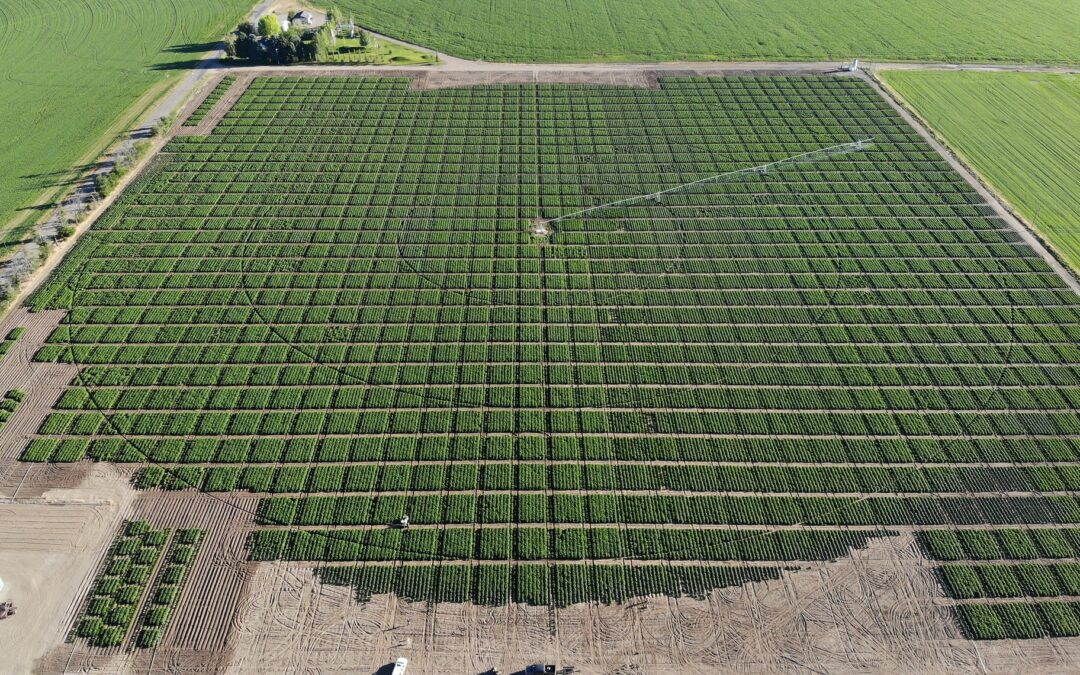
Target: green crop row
558,448
9,403
1001,544
542,543
1020,620
457,208
194,243
661,509
800,248
9,340
533,421
543,585
524,397
165,594
499,344
856,193
607,264
208,103
389,364
471,391
601,303
692,277
532,476
114,598
1010,581
956,253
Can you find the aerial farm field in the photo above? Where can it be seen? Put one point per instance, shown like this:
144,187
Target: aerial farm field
692,30
816,393
73,72
1020,131
384,361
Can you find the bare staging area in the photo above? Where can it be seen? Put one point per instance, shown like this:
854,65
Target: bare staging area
879,610
50,548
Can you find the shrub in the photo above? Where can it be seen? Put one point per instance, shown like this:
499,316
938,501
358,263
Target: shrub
149,637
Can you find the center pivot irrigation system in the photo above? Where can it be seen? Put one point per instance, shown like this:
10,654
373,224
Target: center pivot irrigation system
541,227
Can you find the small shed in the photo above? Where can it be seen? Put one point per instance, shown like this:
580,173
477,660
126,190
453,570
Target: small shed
303,18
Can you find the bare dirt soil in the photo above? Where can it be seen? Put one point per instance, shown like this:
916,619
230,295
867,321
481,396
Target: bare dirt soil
197,639
50,548
879,610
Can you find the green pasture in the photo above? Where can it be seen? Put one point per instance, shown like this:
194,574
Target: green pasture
71,72
1020,131
661,30
377,53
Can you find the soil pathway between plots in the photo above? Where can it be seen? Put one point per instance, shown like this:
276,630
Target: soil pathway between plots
43,383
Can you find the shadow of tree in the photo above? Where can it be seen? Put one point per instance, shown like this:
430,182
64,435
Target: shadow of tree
184,64
194,47
67,174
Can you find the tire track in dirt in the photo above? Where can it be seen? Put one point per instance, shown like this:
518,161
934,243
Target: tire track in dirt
213,592
43,383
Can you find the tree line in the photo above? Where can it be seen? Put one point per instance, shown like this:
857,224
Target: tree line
266,41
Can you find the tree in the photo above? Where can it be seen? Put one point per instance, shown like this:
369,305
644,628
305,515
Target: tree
364,41
324,41
307,51
248,46
230,47
247,28
162,126
269,26
284,48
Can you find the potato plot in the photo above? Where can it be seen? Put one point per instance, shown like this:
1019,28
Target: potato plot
338,300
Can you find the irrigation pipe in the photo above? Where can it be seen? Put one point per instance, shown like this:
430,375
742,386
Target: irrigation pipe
812,156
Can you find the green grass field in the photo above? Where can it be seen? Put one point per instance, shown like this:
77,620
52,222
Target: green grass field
1020,131
379,53
71,70
354,323
655,30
